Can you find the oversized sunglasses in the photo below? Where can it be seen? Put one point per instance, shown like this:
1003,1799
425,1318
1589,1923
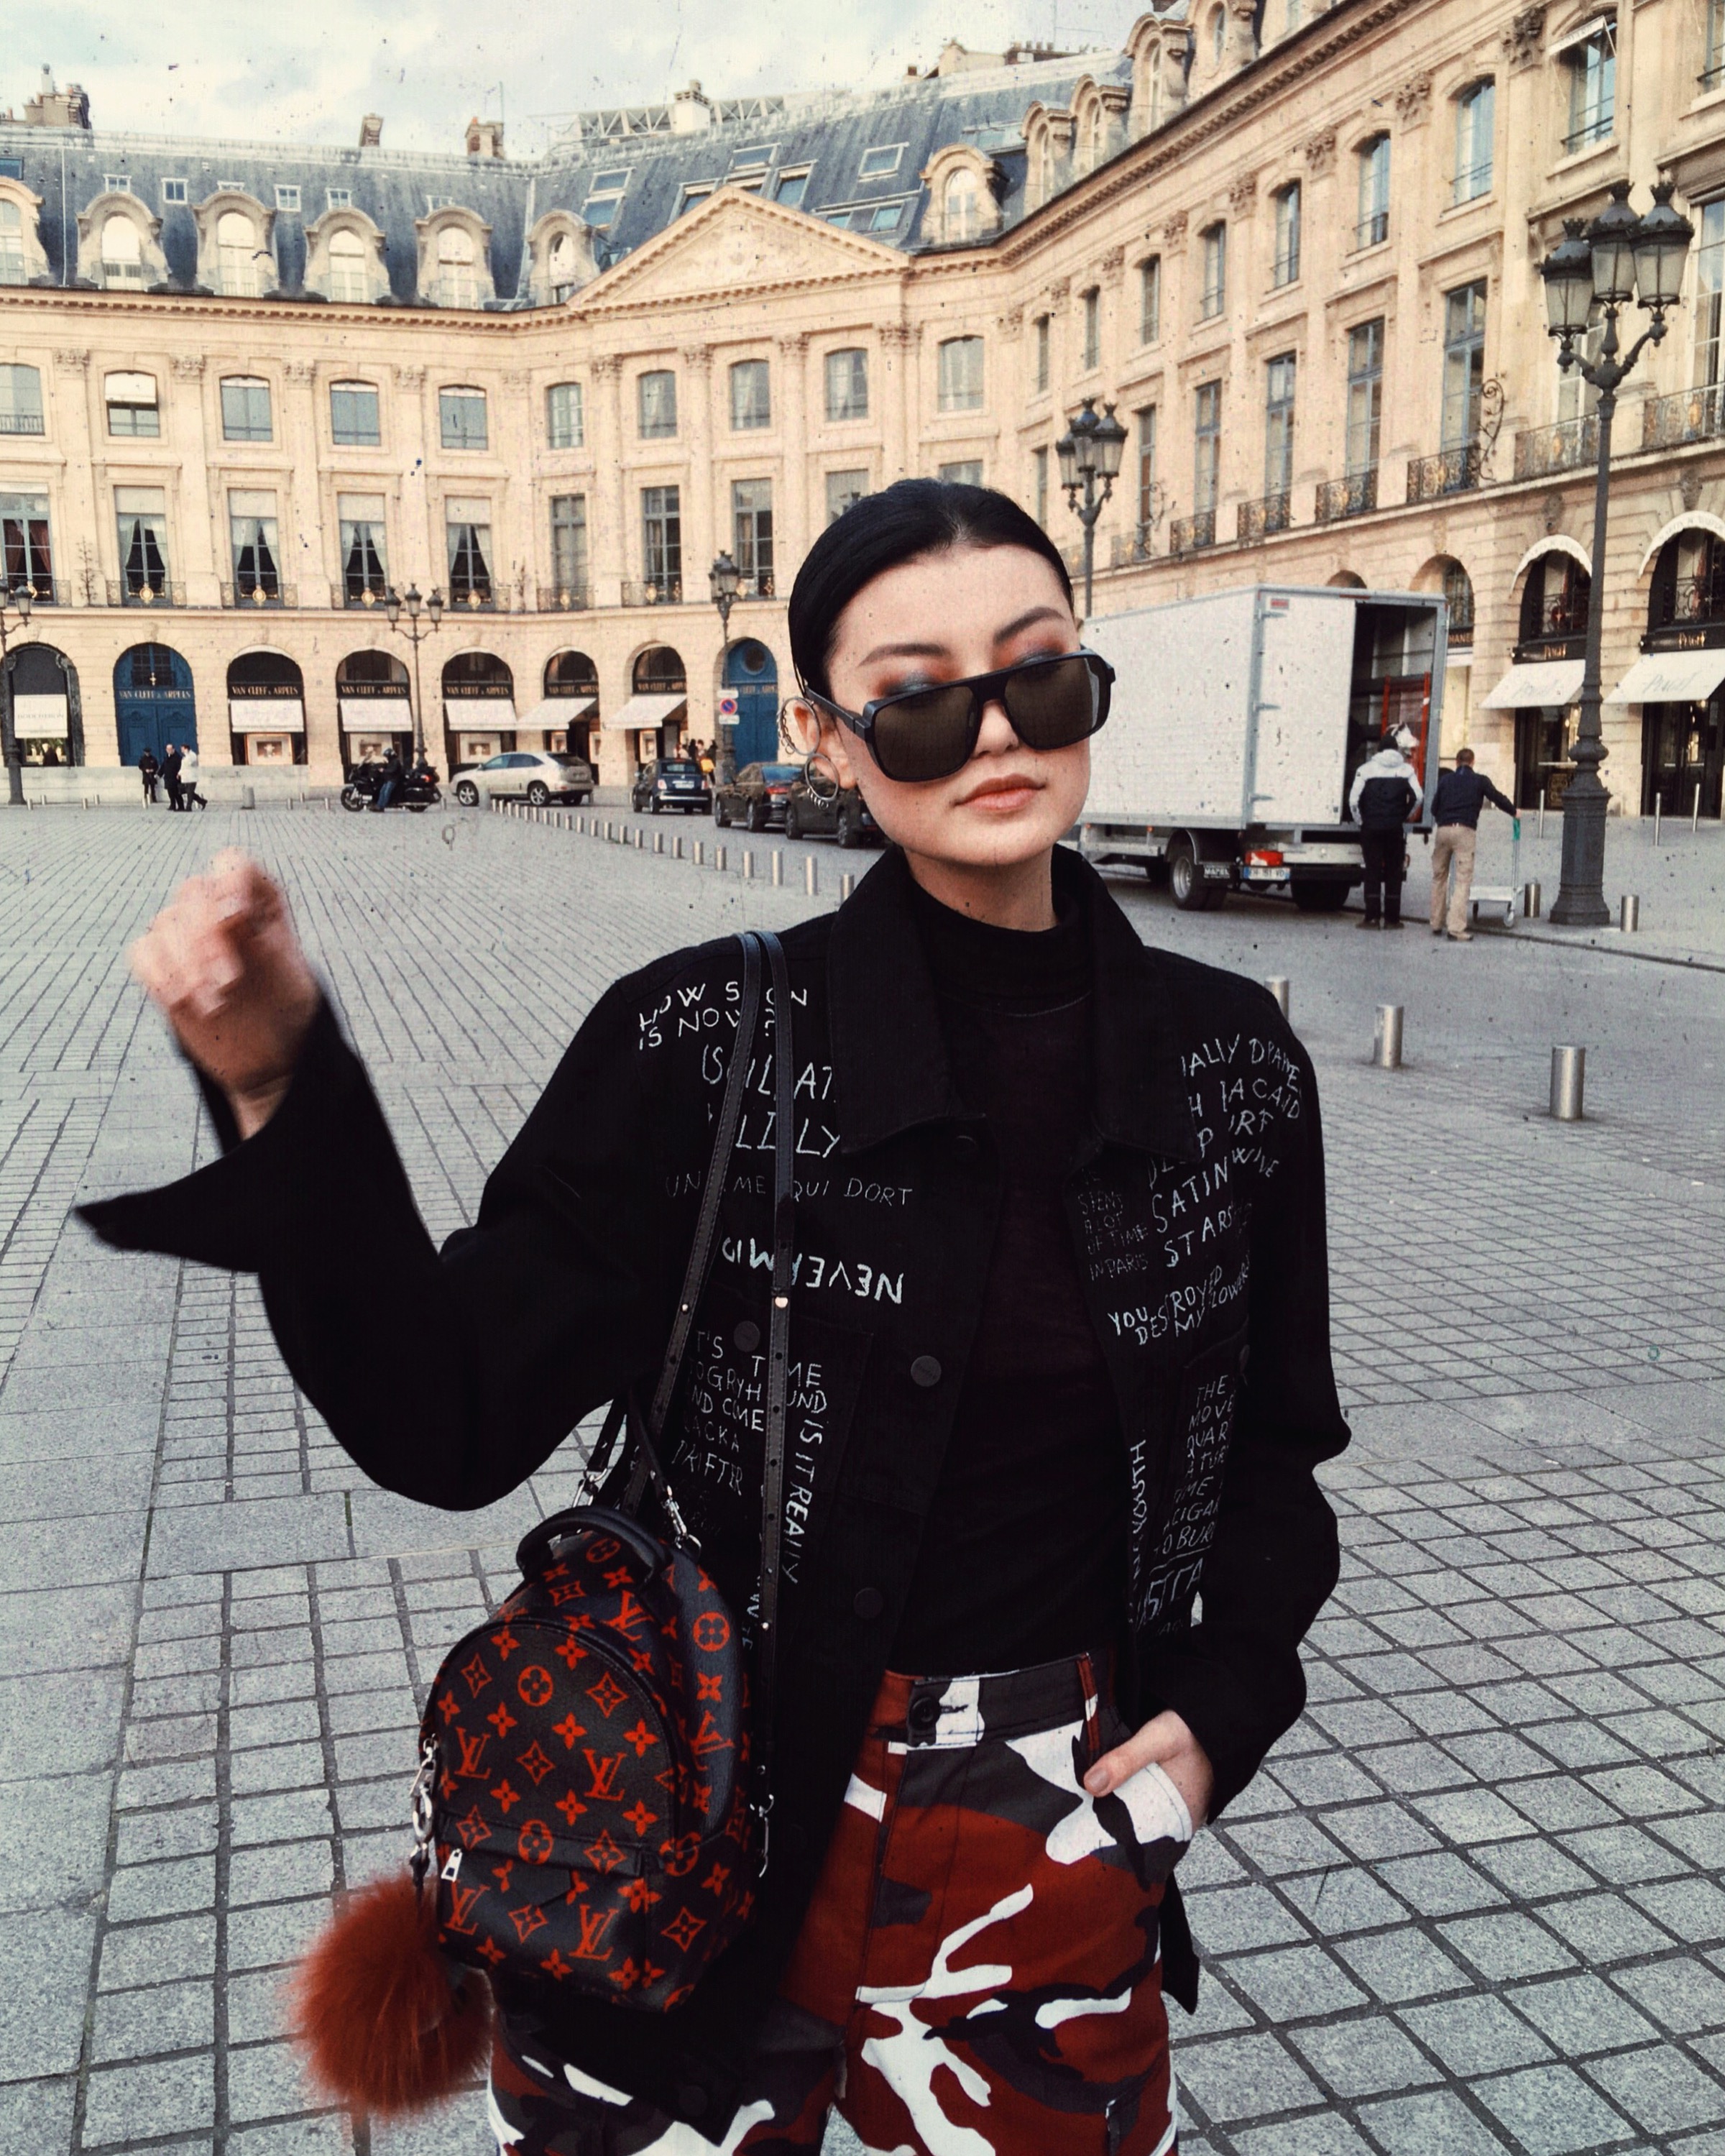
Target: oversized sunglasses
924,734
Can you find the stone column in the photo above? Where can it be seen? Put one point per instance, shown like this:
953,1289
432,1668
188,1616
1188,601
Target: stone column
704,518
304,566
607,562
416,552
515,531
792,520
898,401
195,561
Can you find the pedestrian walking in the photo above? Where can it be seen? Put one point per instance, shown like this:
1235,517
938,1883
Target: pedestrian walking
1456,803
172,761
189,794
1385,793
995,1335
148,769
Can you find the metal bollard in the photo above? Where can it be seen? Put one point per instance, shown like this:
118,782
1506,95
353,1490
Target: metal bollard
1387,1038
700,853
659,842
777,866
247,798
719,859
811,876
1568,1081
640,837
1694,813
1658,810
748,866
1277,985
1532,900
677,847
1628,913
847,884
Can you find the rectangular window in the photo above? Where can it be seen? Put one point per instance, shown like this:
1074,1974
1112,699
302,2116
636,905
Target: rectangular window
966,472
1279,425
879,163
1714,70
20,400
253,546
461,420
12,244
140,513
365,557
133,409
1285,269
339,197
886,218
1365,396
843,489
26,558
1709,285
603,195
563,416
692,197
1475,113
568,544
245,409
1372,227
1150,301
467,533
751,395
1090,348
662,537
288,199
173,191
1207,448
752,533
1039,486
354,420
961,375
848,384
1592,89
1041,341
1147,503
1213,295
791,188
657,405
1464,362
116,183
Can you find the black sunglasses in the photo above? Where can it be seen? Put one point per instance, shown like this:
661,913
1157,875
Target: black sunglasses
924,734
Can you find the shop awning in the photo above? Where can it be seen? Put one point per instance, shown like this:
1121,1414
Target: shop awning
480,715
1671,677
557,712
39,718
375,715
1546,681
647,711
266,714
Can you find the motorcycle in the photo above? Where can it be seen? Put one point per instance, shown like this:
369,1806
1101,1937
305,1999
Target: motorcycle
416,793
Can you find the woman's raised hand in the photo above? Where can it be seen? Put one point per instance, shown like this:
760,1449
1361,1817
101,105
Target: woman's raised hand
224,964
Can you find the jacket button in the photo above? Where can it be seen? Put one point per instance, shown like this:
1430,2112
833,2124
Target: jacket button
925,1371
867,1602
691,2100
966,1145
748,1335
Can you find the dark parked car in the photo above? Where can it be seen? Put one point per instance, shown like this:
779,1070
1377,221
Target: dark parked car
757,796
670,781
807,816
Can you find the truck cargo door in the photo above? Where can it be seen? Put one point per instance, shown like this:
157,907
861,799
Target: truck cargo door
1301,738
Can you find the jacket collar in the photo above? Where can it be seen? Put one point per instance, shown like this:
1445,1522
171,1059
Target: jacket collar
890,1064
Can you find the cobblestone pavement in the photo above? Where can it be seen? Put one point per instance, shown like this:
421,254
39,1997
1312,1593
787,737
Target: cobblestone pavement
1473,1904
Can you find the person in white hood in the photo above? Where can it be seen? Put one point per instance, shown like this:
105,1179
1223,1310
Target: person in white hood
1385,793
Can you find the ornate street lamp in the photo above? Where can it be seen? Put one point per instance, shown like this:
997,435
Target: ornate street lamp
430,611
1590,277
18,602
725,579
1090,453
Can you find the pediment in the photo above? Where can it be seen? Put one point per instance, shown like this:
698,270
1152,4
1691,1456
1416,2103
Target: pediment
734,245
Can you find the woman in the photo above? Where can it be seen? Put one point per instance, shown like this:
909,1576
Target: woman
1060,1338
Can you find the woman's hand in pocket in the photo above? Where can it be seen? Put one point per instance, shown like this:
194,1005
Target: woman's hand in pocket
1165,1741
223,961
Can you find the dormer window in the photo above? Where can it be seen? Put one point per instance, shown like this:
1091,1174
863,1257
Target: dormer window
962,206
122,255
560,269
457,277
881,162
173,191
288,199
12,244
791,188
237,255
603,195
348,280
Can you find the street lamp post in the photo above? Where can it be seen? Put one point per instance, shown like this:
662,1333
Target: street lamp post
1090,452
1591,276
17,603
432,611
725,580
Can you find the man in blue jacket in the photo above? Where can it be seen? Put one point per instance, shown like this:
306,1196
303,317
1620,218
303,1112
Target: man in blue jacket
1455,807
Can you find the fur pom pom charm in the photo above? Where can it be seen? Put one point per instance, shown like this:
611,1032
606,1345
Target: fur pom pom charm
389,2026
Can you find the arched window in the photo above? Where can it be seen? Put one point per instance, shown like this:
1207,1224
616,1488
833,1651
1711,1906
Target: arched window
122,253
962,206
560,269
1555,600
457,279
12,244
348,277
1458,599
237,253
659,671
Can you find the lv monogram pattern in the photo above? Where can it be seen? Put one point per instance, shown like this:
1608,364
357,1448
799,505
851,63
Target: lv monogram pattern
590,1808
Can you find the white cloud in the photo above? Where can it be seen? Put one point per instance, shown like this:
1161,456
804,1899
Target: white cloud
306,72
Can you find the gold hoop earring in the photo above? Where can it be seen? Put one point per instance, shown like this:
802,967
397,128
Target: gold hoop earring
825,797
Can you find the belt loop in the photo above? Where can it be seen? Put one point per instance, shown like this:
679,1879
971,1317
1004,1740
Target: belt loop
1092,1704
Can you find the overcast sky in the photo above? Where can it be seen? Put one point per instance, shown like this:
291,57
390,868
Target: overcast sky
305,71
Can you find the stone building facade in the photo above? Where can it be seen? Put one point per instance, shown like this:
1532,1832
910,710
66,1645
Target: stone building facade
244,388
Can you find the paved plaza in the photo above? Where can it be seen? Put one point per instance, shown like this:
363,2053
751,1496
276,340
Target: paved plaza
1475,1903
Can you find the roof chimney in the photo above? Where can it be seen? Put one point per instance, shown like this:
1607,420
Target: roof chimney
52,107
485,138
371,131
691,113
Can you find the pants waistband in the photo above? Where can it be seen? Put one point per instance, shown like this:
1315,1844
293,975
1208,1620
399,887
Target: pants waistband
948,1713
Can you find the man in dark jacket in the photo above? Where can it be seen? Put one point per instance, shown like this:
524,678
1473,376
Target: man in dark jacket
171,776
1385,794
1455,807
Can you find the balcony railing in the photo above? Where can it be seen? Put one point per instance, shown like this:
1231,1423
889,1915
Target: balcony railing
1137,544
757,586
1257,520
366,597
1689,601
564,598
666,591
1691,415
1190,535
477,599
21,422
121,591
44,591
1373,228
259,597
1356,496
1451,471
1558,448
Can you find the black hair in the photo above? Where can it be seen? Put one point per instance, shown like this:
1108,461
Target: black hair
910,518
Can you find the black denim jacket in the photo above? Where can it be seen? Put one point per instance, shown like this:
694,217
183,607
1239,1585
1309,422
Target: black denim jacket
1197,1208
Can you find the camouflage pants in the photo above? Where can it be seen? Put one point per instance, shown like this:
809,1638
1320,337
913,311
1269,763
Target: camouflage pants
979,1973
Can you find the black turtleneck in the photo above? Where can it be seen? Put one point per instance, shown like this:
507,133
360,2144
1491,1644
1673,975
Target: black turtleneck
1024,1557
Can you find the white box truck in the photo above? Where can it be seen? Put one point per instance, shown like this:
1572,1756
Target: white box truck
1239,721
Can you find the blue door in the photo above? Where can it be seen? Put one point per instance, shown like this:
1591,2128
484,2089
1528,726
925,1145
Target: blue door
153,702
752,677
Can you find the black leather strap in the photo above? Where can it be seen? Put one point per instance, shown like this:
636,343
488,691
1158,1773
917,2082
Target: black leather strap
779,1363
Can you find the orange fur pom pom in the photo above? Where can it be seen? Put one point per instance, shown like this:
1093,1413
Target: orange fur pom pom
387,2024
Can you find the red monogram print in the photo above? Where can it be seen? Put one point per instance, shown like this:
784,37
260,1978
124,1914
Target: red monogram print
536,1685
710,1631
535,1842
